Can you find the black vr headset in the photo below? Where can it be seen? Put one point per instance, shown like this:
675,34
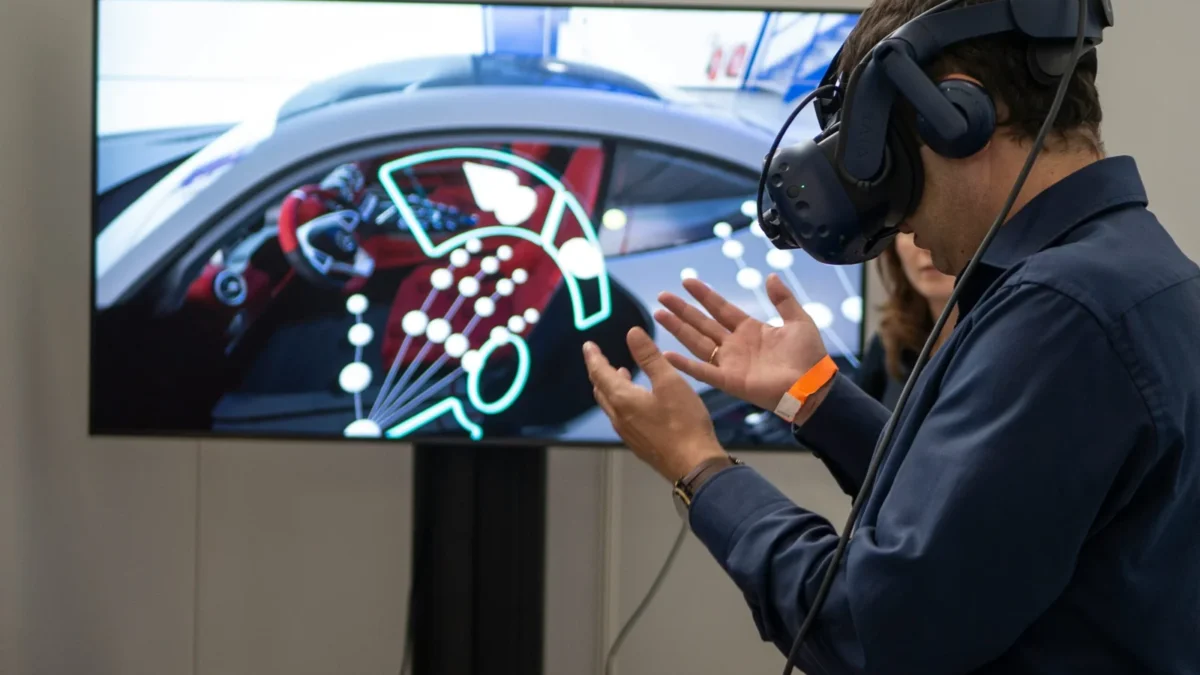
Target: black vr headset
841,196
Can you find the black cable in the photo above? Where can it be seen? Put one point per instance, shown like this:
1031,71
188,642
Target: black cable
641,608
886,437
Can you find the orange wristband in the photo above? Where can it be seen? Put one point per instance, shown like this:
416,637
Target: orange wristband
808,384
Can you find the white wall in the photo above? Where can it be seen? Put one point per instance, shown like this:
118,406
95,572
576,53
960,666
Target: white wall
150,557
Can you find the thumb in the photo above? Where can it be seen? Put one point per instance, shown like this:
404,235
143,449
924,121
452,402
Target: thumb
785,303
646,353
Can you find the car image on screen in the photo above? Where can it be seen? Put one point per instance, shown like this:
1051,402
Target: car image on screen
420,248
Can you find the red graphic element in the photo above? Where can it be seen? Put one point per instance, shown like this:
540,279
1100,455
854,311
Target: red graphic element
714,63
736,62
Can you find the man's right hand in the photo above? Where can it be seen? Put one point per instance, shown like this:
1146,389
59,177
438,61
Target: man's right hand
737,354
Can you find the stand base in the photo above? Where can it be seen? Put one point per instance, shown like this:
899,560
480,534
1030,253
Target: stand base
478,560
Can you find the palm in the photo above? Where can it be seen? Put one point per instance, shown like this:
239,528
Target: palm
754,361
758,361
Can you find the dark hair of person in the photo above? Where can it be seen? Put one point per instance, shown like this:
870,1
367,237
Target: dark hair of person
1000,64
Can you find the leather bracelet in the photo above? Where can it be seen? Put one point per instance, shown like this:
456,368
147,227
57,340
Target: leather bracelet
685,488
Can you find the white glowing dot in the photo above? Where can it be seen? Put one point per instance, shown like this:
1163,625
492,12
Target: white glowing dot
756,230
581,258
441,279
532,315
457,345
361,334
504,252
505,287
776,321
688,273
749,278
614,219
780,259
437,331
755,417
516,324
489,265
474,245
357,303
499,333
460,257
355,377
520,276
723,230
414,323
821,315
468,286
852,309
363,429
485,307
749,209
471,361
732,248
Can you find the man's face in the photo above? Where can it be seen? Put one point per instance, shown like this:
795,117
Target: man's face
947,220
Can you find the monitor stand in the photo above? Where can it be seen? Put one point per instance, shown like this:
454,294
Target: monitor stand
479,522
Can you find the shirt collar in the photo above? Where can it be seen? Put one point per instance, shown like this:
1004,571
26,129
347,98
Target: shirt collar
1105,185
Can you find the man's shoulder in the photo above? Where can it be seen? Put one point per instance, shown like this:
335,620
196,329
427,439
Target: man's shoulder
1113,266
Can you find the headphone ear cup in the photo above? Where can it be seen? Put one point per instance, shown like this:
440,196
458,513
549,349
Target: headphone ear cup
977,108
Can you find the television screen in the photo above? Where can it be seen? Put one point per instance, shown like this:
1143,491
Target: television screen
395,220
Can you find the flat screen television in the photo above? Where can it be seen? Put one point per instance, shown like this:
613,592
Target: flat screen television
395,220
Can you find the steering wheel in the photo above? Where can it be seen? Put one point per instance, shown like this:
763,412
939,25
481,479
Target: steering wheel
322,246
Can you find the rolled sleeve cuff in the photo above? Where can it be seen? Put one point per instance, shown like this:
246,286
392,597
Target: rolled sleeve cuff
726,502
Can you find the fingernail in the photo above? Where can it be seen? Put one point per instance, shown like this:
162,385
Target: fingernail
588,347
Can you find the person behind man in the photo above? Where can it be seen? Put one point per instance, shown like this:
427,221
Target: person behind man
1038,510
917,292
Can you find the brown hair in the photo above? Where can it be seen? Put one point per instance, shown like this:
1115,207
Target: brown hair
906,321
1000,63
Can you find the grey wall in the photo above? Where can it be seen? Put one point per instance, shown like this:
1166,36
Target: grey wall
150,557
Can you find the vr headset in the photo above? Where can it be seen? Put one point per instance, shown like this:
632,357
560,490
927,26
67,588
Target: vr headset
841,196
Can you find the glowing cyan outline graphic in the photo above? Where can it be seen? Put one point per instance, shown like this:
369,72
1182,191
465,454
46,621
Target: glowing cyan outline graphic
518,385
450,404
561,201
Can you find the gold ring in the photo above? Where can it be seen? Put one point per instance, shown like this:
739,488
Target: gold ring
712,360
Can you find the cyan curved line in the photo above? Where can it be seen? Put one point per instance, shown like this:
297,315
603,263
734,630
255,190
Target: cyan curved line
519,381
433,412
545,239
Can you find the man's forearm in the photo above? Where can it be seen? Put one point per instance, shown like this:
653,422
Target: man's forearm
841,428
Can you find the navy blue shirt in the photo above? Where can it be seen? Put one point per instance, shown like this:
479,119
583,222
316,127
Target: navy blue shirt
1039,510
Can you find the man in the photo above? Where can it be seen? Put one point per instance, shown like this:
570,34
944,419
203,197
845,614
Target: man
1039,510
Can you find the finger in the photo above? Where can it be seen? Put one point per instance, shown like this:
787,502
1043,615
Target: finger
785,303
705,372
605,404
624,372
689,315
646,353
600,371
725,312
691,338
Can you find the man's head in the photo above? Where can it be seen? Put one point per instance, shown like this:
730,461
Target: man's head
962,197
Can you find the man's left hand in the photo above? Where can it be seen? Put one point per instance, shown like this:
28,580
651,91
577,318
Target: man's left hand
668,426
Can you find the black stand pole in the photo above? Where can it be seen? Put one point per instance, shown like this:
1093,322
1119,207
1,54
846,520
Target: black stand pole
478,560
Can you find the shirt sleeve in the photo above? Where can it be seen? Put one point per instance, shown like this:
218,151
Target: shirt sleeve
980,527
842,432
